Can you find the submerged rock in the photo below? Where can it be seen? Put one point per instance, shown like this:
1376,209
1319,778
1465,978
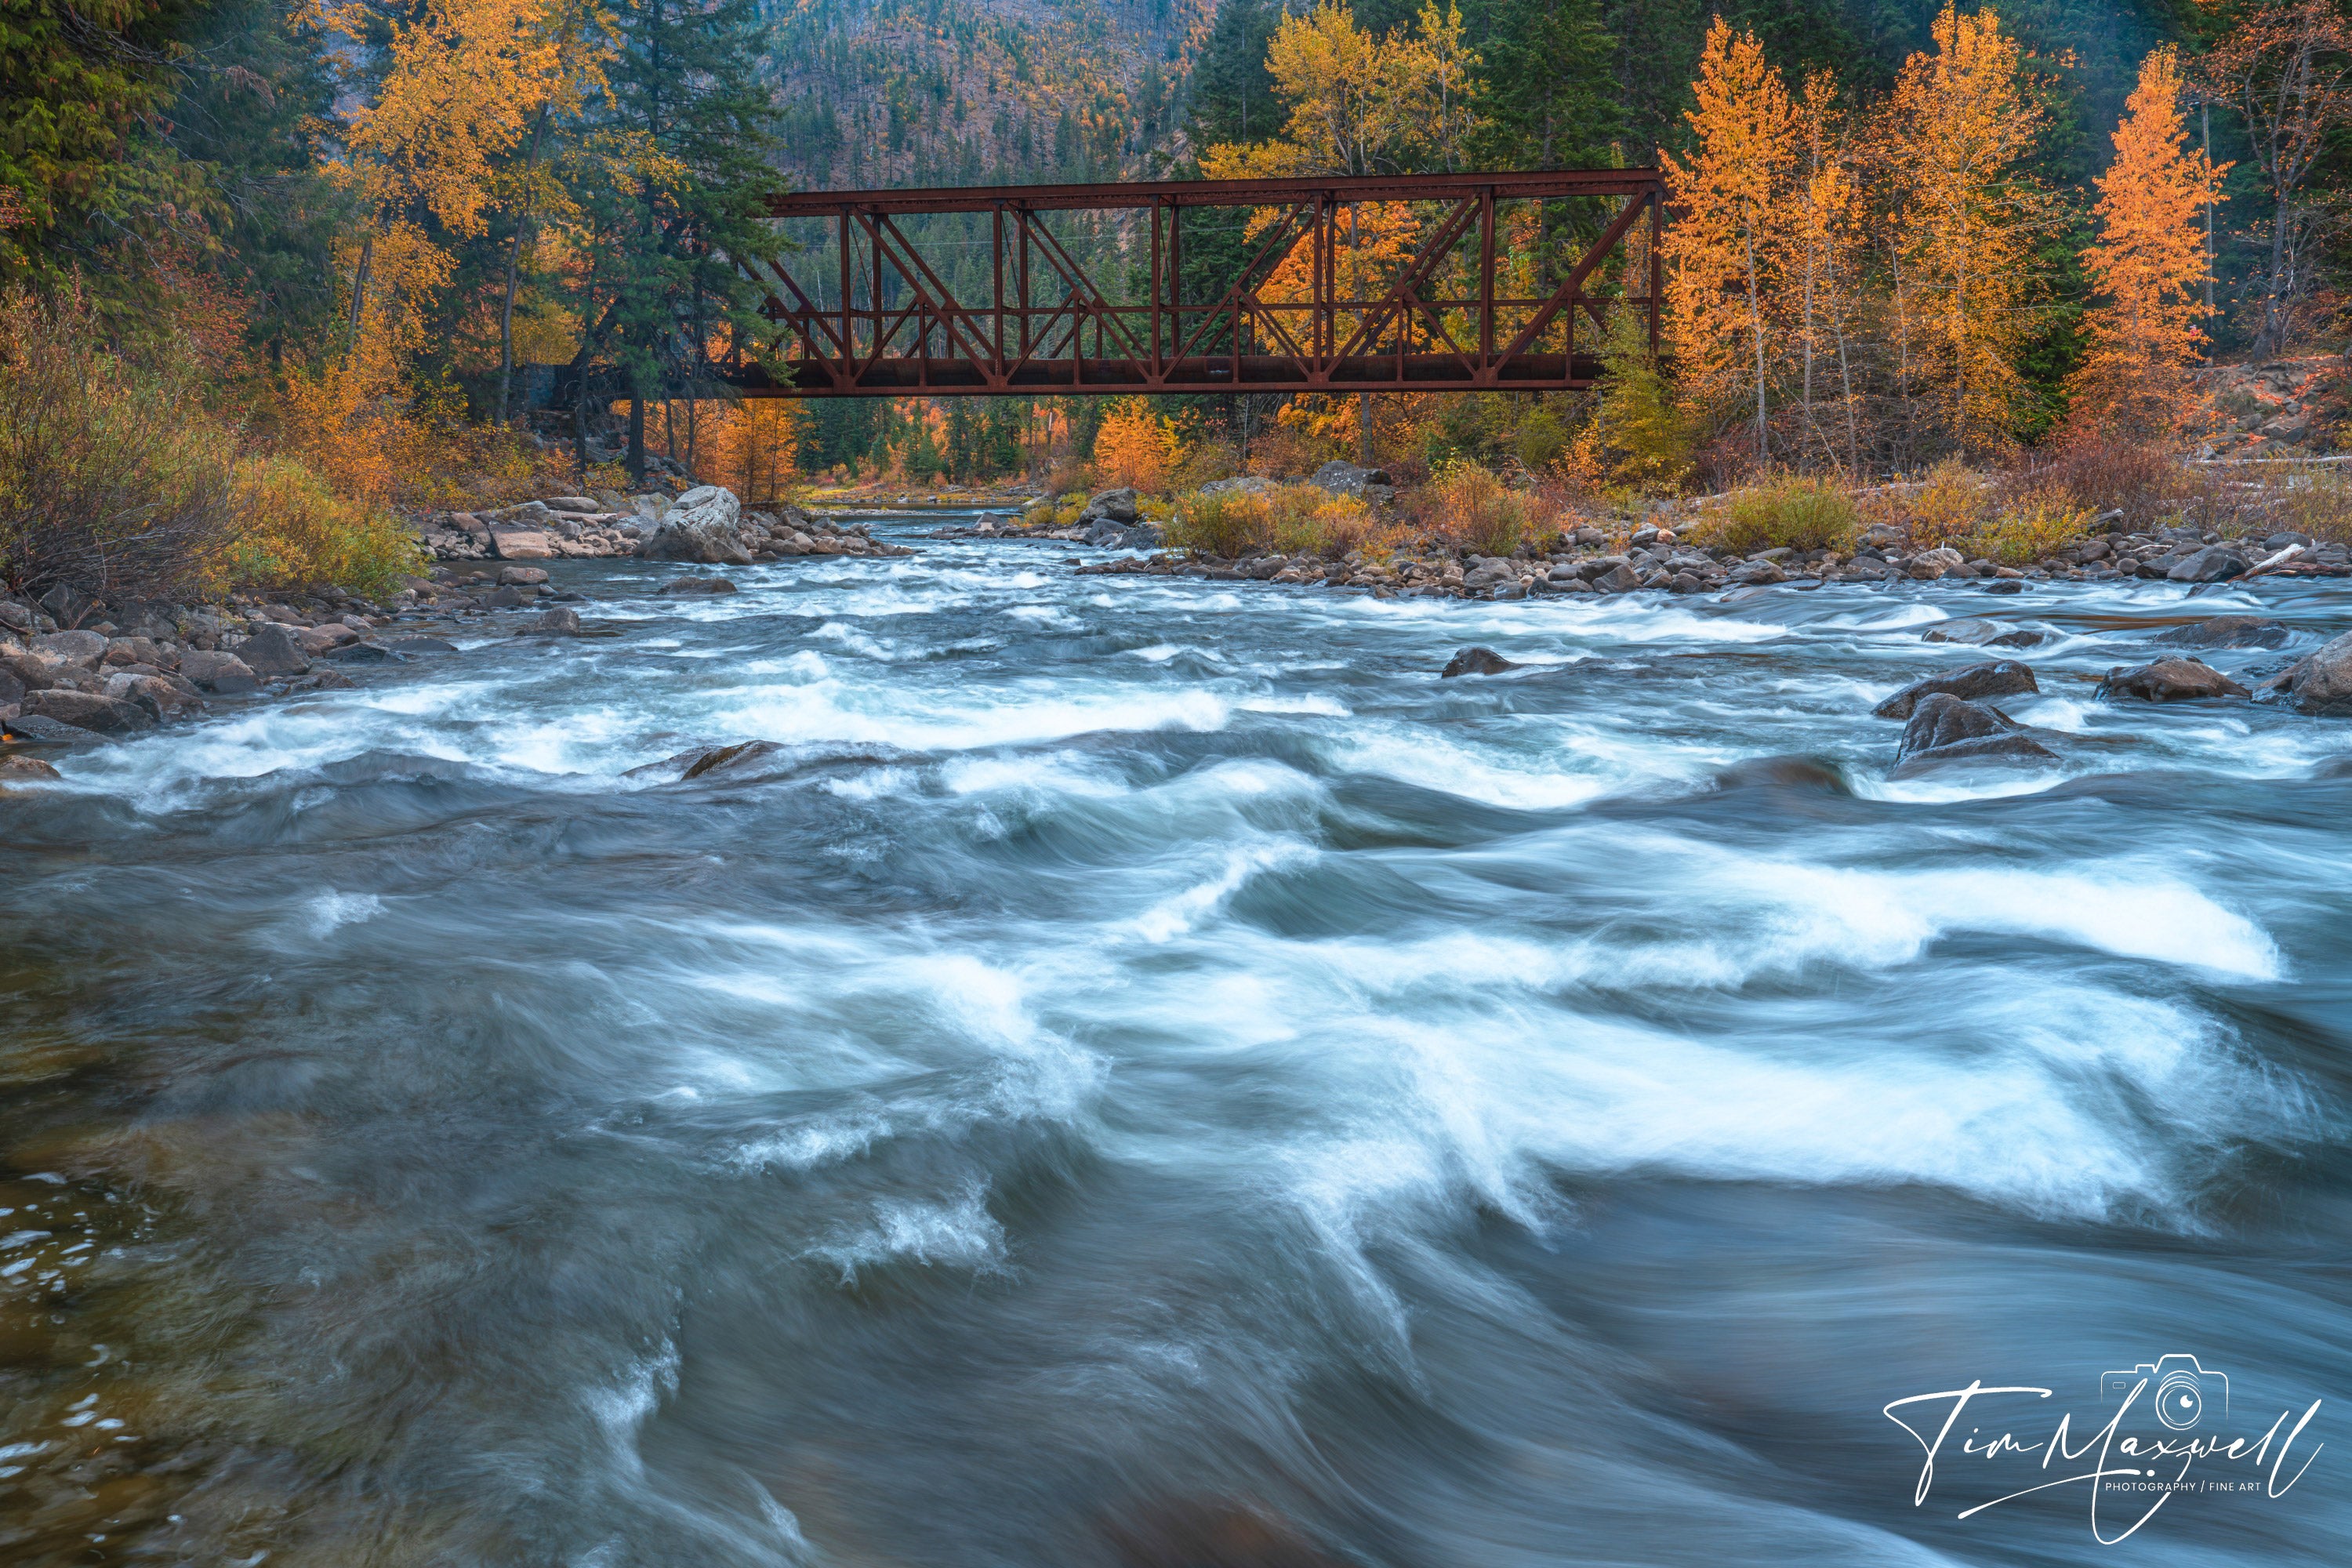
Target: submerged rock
2002,678
1978,632
2228,631
1947,728
2169,681
2318,683
723,757
555,623
21,769
1476,660
698,586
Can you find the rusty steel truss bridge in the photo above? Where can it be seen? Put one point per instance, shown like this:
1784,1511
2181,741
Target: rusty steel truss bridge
863,308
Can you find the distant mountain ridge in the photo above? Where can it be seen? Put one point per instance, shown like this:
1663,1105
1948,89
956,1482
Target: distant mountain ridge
958,92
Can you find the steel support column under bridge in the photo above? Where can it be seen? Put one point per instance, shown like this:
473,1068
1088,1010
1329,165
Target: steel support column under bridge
1079,289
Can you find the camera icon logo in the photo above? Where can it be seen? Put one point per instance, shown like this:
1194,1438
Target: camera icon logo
2182,1393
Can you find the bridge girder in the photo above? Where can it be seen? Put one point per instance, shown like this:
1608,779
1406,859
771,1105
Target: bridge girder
1435,322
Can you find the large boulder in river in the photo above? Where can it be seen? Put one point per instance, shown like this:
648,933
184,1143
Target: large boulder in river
2318,682
703,525
2169,681
1947,728
2000,678
89,710
1476,660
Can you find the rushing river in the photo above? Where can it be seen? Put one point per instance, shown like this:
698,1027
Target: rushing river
1147,1074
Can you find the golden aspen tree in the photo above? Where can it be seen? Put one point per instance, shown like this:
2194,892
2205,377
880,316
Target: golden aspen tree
1134,447
1954,138
2148,263
1823,243
462,78
1723,237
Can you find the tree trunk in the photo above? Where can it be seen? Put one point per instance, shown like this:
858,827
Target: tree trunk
514,265
359,290
636,437
1756,323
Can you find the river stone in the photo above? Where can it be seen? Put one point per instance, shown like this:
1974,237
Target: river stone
152,692
224,674
1946,729
2169,681
137,650
1476,660
555,623
698,586
522,544
724,757
22,769
1116,506
87,710
2228,631
2318,683
521,576
2002,678
44,731
2214,563
363,653
83,650
273,651
1619,579
412,646
701,526
575,504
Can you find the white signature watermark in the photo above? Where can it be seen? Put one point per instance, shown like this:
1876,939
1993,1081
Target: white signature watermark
2133,1465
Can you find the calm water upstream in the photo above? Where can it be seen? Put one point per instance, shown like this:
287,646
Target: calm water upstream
1149,1075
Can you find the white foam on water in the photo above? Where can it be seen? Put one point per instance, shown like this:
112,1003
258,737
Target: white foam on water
959,1234
1174,916
329,910
969,720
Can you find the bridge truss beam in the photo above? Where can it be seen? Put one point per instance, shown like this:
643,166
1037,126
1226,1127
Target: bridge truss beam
879,320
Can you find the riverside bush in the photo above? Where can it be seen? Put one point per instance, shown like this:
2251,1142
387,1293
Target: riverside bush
1952,502
1294,519
292,528
117,478
2028,527
1798,511
113,477
1470,507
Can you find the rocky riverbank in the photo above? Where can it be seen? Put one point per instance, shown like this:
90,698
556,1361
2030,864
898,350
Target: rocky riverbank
1590,561
73,671
706,525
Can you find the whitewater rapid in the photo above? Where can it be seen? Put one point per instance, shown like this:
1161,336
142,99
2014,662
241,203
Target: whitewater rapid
1146,1069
